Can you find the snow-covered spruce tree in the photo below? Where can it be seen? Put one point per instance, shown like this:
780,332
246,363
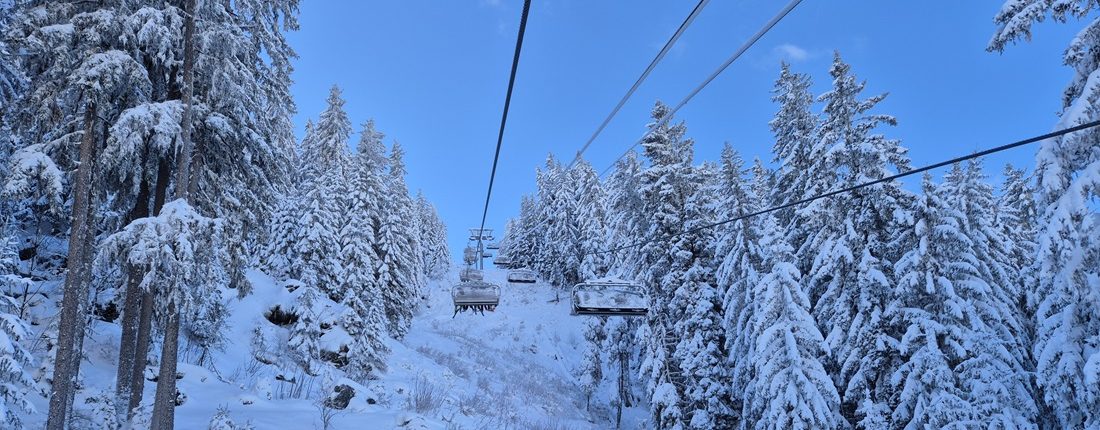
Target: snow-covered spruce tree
394,250
621,350
16,361
524,240
1068,253
179,250
666,185
410,265
626,221
591,369
311,242
12,79
318,247
435,253
969,192
790,388
364,318
326,150
206,328
740,268
1017,217
794,127
1001,389
305,334
846,244
934,317
357,257
591,224
555,210
365,321
700,352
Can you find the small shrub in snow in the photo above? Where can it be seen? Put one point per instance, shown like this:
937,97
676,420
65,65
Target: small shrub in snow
222,421
426,396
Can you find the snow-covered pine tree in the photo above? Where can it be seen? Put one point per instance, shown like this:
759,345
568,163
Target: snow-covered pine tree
666,185
318,243
365,322
12,79
1017,216
850,262
740,268
555,211
305,334
994,372
591,224
326,151
408,239
395,251
435,254
794,127
591,369
934,318
312,241
700,353
16,361
525,241
790,388
1068,254
626,222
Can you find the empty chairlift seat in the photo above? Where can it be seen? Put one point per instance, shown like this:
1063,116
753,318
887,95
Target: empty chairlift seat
613,297
502,261
493,246
470,274
522,276
477,296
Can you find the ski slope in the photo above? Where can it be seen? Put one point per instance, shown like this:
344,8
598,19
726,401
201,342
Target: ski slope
512,368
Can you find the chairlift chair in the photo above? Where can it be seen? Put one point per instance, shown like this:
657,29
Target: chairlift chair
493,246
610,298
522,276
502,261
476,296
470,274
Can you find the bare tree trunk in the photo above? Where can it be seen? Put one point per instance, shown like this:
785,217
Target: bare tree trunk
145,317
67,363
130,310
164,404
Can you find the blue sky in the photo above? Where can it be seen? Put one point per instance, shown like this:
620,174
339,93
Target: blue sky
433,75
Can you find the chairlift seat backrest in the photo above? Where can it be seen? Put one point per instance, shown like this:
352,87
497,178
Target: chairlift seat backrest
610,298
475,293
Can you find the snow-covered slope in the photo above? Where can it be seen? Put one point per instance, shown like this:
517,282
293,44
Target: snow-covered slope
512,368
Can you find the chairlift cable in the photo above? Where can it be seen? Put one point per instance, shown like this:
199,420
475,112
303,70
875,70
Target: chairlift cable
861,185
645,74
745,47
504,115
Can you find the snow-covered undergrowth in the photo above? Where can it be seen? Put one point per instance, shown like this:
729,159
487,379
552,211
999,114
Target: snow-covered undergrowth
512,368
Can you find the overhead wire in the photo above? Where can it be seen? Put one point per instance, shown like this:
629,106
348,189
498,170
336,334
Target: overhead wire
504,119
737,54
645,74
858,186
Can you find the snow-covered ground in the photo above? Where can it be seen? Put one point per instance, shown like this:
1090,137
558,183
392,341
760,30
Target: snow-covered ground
512,368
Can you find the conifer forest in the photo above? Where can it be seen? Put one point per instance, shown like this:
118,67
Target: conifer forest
194,236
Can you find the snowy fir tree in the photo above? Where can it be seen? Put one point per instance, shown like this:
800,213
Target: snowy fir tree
1067,315
151,178
847,262
305,334
16,385
789,387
